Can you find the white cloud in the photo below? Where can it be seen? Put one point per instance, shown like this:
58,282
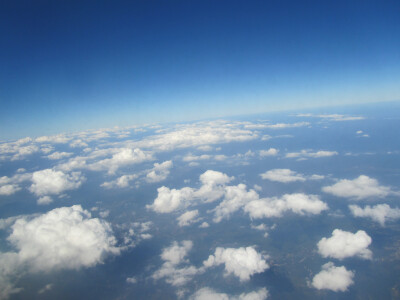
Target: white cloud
44,200
274,207
283,175
269,152
191,157
235,198
123,157
303,154
58,139
379,213
188,218
213,185
345,244
63,238
360,188
131,280
209,294
9,189
59,155
46,288
287,125
172,269
169,200
241,262
121,182
50,182
333,117
336,279
159,172
202,225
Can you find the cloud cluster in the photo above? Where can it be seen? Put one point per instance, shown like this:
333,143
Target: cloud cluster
343,244
274,207
333,278
359,188
210,294
379,213
241,262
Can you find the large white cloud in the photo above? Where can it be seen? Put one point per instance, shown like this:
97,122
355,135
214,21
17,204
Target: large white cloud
336,279
241,262
210,294
345,244
51,182
275,207
379,213
283,175
63,238
360,188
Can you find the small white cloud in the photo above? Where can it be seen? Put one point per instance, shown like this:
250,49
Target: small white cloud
188,218
333,117
120,182
210,294
287,125
204,225
169,200
241,262
131,280
304,154
274,207
379,213
336,279
159,172
9,189
283,175
44,200
46,288
345,244
358,189
104,213
269,152
50,182
59,155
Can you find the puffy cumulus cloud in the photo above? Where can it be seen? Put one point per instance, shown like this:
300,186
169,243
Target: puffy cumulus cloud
169,200
121,182
9,189
59,155
172,269
336,279
159,172
123,157
360,188
269,152
212,188
197,134
44,200
235,198
274,207
63,238
51,182
304,154
379,213
345,244
18,150
188,218
282,175
210,294
241,262
57,139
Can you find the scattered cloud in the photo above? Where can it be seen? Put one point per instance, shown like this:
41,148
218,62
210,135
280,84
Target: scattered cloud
210,294
345,244
159,172
379,213
241,262
282,175
304,154
336,279
269,152
59,155
333,117
121,182
188,218
287,125
274,207
358,189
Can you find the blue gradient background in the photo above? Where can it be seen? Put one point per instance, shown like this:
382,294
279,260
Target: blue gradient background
73,65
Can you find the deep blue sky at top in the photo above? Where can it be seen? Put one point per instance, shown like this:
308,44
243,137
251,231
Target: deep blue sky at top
71,65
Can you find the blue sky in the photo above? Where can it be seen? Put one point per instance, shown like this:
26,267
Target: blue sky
72,65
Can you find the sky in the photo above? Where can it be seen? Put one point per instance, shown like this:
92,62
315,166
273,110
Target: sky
74,65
